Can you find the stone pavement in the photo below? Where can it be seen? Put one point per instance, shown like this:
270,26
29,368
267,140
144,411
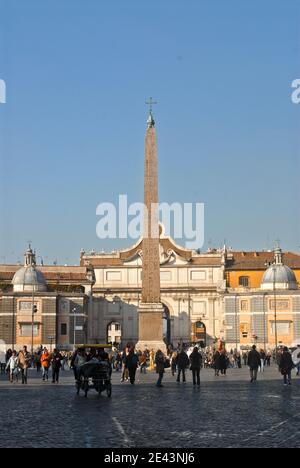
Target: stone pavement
225,412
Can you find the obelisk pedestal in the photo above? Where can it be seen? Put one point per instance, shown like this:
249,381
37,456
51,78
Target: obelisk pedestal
151,327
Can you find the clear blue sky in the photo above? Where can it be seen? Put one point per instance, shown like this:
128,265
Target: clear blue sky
72,131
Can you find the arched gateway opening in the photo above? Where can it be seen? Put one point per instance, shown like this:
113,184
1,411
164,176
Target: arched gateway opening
114,333
166,326
199,333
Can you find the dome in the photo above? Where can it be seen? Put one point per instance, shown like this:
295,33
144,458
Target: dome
284,278
279,275
29,278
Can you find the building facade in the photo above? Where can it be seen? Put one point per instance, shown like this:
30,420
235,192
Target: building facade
262,302
192,287
218,294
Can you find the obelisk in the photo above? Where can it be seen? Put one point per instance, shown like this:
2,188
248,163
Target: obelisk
150,308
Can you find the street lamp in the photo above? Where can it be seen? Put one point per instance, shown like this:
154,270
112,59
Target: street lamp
275,310
34,311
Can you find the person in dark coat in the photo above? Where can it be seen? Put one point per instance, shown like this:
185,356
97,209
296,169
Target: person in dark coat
196,364
56,359
253,363
222,363
131,363
216,357
286,365
182,362
160,360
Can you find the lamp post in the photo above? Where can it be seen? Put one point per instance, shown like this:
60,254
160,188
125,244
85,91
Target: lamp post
275,311
34,311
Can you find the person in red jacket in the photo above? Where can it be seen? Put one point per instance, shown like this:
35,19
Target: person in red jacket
45,363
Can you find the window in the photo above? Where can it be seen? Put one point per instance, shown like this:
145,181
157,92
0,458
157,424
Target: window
244,305
280,304
197,275
26,330
283,328
26,306
63,329
113,276
244,281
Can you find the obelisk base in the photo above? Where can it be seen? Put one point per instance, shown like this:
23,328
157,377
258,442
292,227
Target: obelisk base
151,327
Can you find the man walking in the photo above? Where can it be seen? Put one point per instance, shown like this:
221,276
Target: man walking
56,365
253,363
196,364
182,362
24,363
132,361
160,366
286,365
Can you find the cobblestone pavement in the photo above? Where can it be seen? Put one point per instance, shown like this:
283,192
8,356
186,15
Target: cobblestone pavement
225,412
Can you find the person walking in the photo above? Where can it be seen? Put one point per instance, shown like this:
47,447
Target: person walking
182,362
143,362
173,363
79,361
132,361
12,366
24,363
253,363
196,364
286,365
45,363
125,368
56,359
160,360
262,360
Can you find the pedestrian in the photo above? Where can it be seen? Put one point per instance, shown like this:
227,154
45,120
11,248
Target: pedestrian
132,361
160,360
253,363
182,362
125,373
286,365
79,361
45,363
143,362
173,363
196,364
12,366
24,363
262,360
215,363
56,359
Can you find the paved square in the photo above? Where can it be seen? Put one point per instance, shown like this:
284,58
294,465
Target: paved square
225,412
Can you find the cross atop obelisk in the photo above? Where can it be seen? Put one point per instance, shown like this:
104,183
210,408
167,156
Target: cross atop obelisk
151,309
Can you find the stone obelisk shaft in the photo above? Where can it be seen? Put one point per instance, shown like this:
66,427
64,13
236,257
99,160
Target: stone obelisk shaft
151,263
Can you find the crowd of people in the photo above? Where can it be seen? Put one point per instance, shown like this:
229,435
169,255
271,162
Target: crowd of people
18,363
129,361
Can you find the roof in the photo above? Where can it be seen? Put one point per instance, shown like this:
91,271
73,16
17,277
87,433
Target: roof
259,260
51,273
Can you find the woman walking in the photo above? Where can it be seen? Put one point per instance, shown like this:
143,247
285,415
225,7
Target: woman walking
160,366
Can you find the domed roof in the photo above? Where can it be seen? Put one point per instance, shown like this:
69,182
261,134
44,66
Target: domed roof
29,278
279,275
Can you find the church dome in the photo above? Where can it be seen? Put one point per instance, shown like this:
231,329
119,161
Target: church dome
279,275
29,278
